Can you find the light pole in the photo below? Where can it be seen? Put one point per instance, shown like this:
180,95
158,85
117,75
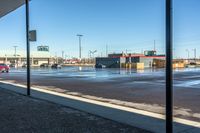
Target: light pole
80,36
127,51
106,50
15,47
169,68
92,52
63,58
63,52
15,55
195,53
188,53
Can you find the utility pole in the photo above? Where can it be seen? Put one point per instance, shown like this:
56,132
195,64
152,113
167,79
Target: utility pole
15,47
106,50
154,45
195,53
127,51
15,55
142,51
63,60
63,54
92,52
188,53
80,49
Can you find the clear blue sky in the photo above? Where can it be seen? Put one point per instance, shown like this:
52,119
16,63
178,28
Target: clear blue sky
121,24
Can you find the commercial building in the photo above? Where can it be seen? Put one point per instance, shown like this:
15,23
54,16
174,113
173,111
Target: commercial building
119,60
110,62
19,59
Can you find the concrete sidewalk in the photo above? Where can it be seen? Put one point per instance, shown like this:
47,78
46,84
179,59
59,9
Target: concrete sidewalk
22,114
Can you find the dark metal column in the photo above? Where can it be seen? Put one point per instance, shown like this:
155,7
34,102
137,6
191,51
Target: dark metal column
28,48
169,69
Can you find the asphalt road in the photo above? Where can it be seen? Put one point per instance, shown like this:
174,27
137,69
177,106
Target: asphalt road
138,89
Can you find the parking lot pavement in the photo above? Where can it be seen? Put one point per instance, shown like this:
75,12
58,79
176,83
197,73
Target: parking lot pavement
22,114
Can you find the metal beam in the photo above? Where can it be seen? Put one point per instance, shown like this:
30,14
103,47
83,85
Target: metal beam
7,6
169,69
28,48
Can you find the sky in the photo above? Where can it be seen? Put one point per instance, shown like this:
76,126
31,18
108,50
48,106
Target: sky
122,25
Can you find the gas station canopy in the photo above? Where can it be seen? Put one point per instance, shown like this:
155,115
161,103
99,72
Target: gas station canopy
7,6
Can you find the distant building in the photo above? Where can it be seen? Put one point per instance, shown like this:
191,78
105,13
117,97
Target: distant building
110,62
117,59
37,57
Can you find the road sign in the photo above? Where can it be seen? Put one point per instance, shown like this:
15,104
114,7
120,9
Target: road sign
32,36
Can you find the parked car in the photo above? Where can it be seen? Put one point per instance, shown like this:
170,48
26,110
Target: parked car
193,63
24,65
12,65
100,66
44,65
56,66
4,68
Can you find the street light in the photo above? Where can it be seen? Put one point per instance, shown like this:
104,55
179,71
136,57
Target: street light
79,36
15,47
106,50
15,55
188,52
92,52
195,53
63,57
128,51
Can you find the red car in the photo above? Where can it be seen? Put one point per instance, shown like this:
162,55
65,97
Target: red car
4,68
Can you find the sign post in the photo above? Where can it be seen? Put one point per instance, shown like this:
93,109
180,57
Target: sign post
28,48
30,36
169,69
